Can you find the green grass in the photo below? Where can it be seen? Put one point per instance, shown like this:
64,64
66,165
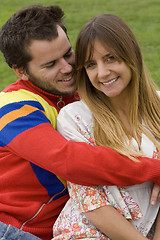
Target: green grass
143,16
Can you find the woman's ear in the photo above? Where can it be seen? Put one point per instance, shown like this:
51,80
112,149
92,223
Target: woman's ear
21,73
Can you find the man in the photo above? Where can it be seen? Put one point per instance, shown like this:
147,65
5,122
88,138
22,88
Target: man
34,157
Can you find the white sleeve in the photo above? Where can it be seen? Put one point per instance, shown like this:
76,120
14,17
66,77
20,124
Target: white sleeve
158,93
75,123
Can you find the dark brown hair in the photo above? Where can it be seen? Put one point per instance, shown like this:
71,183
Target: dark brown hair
34,22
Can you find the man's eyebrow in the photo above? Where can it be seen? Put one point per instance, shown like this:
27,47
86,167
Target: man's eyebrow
53,61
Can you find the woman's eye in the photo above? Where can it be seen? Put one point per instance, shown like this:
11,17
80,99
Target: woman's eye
110,58
90,65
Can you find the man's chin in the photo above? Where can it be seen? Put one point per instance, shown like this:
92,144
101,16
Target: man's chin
69,92
64,93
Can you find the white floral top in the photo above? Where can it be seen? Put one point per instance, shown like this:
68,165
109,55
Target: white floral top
75,122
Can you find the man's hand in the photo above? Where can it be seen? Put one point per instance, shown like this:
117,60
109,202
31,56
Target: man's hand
155,194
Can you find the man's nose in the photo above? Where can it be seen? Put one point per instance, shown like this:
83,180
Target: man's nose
65,66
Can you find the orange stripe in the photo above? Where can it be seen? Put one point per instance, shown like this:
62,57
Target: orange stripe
11,116
62,181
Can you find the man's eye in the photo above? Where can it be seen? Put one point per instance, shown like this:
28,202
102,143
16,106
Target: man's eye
68,54
50,65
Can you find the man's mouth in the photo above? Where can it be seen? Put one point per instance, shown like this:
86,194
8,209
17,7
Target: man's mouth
111,81
67,79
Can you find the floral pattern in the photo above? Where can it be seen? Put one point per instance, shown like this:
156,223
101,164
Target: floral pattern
72,223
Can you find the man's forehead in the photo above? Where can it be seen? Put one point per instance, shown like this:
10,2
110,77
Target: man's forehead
43,51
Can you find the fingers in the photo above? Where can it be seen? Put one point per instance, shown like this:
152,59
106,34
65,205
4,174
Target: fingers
155,196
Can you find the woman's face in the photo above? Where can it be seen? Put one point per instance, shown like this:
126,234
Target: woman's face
106,73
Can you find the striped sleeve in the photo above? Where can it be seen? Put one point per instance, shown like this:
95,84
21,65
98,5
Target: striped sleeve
19,116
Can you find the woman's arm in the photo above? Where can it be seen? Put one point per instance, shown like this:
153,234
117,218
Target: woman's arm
155,194
157,229
113,224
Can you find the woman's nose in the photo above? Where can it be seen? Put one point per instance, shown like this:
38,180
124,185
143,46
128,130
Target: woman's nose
103,70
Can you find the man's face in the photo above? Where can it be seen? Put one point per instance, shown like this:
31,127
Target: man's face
52,65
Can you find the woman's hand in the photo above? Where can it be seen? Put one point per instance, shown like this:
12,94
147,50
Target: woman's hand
155,196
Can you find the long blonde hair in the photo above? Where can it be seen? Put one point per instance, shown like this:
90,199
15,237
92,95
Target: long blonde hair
144,102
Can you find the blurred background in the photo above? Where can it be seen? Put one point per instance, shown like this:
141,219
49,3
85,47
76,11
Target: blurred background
143,16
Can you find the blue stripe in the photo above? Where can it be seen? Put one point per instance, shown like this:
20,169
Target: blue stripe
50,181
19,125
17,105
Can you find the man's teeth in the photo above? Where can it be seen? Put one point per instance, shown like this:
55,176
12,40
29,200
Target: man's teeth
110,82
67,79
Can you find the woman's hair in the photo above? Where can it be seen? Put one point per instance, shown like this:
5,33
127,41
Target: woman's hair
35,22
144,102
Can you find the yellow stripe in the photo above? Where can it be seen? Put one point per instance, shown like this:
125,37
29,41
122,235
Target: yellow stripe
24,95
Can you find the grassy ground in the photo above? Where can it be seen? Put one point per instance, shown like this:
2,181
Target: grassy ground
142,16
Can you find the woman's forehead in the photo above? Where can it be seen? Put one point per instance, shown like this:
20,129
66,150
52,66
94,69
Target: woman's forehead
97,45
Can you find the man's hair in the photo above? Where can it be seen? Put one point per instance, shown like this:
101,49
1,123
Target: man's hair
34,22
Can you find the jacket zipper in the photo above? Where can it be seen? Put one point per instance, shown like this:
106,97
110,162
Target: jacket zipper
40,209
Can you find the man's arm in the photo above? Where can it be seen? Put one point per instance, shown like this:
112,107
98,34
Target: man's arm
79,162
31,136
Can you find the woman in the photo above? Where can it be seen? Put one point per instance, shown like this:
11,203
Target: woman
119,109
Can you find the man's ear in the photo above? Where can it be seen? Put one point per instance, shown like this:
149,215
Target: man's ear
21,73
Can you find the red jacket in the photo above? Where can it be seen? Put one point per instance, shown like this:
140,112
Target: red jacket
34,158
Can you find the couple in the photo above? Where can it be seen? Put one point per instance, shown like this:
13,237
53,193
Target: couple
118,114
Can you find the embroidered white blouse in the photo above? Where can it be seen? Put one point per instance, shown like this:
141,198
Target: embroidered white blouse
75,123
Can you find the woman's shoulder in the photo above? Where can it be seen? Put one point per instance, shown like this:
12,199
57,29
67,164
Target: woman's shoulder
76,113
158,92
75,107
